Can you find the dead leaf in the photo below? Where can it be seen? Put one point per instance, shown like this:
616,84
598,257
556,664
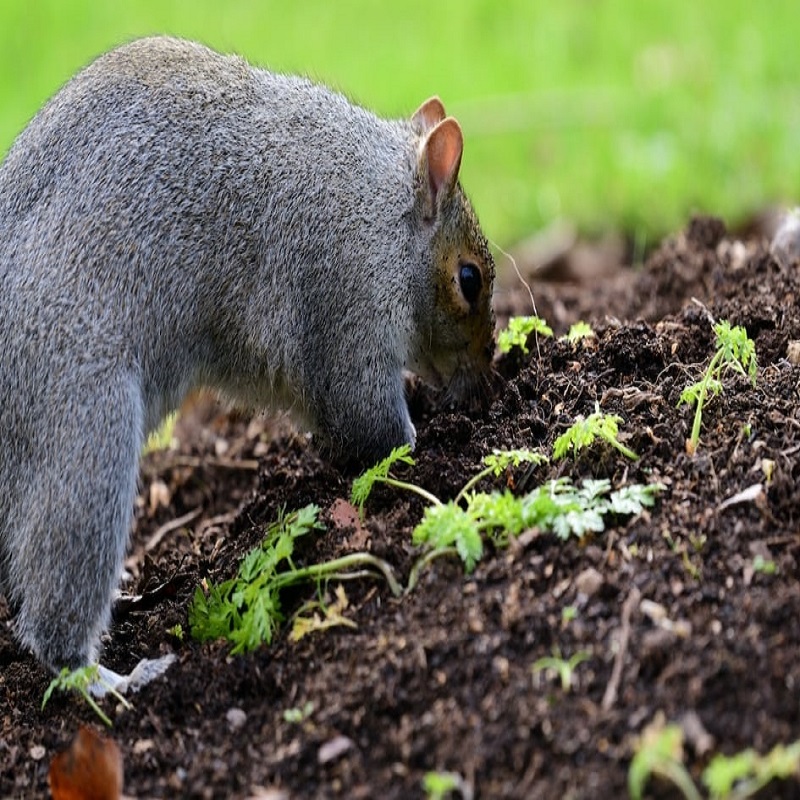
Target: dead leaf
333,616
91,769
159,496
344,515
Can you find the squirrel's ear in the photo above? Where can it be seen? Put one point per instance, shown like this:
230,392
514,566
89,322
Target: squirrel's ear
428,115
441,159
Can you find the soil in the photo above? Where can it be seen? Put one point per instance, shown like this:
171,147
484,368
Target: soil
674,608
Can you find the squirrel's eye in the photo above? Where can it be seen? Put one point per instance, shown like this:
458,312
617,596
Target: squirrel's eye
469,278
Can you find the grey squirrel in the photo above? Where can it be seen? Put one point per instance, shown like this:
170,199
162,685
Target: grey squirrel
175,218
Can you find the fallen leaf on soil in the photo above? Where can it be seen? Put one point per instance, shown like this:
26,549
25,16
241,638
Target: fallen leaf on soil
345,515
91,769
332,615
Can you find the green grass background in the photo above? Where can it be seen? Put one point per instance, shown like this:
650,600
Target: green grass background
623,113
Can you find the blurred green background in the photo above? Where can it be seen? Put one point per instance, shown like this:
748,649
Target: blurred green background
628,114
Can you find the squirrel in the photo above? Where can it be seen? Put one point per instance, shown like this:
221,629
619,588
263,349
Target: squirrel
175,218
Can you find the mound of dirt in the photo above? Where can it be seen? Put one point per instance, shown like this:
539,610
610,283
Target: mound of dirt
689,612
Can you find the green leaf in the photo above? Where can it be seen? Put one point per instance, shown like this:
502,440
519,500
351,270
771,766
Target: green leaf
448,525
723,772
501,460
499,513
583,432
246,609
82,680
578,331
745,773
738,350
362,486
518,331
632,499
660,752
438,785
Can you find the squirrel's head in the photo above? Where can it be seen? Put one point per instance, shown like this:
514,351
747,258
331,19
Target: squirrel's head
455,336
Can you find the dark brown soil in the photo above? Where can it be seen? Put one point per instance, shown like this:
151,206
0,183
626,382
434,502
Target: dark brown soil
441,679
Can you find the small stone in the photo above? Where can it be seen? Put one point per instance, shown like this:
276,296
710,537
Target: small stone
785,246
333,749
142,746
588,582
37,752
236,718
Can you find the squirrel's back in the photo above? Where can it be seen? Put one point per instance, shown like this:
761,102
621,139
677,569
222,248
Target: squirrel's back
167,187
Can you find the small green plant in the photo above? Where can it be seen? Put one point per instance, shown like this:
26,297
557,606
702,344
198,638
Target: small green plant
583,432
161,437
563,667
569,613
438,785
736,777
364,483
299,713
578,331
176,631
246,610
460,526
746,773
735,351
518,331
766,566
660,752
82,680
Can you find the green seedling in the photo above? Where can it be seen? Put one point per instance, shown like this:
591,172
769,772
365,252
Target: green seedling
563,667
299,714
498,462
439,785
766,566
176,631
364,483
747,773
735,352
518,331
461,526
660,752
82,680
246,610
583,433
161,437
578,331
737,777
569,613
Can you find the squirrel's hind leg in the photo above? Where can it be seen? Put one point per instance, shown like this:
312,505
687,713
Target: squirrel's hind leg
68,561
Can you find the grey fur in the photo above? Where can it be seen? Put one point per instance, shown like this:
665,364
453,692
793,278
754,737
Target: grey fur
175,218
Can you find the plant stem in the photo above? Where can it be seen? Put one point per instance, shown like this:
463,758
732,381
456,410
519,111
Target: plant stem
96,708
701,399
432,499
473,481
622,449
677,773
421,563
338,569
